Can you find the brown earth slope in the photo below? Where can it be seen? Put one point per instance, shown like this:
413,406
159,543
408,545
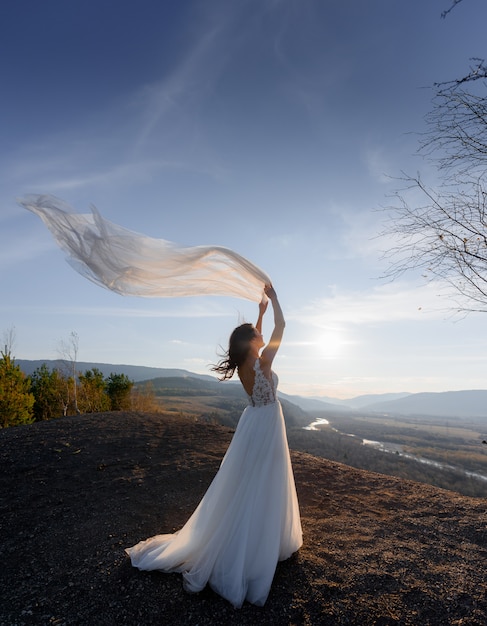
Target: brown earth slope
76,491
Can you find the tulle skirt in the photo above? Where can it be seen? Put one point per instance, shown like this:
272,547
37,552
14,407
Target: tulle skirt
247,521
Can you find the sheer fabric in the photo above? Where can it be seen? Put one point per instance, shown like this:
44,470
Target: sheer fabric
247,521
133,264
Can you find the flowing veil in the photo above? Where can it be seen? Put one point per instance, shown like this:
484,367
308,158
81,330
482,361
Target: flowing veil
133,264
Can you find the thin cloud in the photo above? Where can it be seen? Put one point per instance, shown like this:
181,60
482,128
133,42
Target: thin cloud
32,247
195,75
192,311
127,172
386,303
162,97
377,164
92,160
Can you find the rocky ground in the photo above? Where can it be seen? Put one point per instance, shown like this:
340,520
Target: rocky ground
76,491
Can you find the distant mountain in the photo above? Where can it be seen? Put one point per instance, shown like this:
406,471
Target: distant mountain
221,397
361,401
313,404
468,403
136,373
461,404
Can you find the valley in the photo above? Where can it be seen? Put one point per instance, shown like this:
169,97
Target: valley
442,451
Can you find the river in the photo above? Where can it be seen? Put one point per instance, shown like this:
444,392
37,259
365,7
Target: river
395,448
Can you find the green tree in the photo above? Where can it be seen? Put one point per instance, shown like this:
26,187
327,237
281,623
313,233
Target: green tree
50,392
92,396
119,387
16,399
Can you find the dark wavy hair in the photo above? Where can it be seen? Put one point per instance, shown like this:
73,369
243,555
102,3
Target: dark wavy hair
238,350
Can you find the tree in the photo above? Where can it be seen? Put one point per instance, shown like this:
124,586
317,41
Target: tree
445,238
445,235
119,387
16,400
452,6
92,392
143,398
50,390
69,352
9,340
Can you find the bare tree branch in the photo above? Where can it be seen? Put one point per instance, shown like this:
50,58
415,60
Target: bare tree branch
69,353
453,5
9,340
457,129
444,236
445,239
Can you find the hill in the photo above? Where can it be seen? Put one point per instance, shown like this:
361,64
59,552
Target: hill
136,373
377,550
359,402
214,401
460,404
467,403
443,404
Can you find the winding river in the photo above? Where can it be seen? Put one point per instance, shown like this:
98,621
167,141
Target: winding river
393,448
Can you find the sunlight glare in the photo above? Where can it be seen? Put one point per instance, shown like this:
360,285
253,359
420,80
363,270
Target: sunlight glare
331,344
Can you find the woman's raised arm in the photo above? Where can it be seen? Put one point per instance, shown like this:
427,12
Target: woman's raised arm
269,352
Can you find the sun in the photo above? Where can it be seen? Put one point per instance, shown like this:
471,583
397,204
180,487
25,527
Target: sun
331,343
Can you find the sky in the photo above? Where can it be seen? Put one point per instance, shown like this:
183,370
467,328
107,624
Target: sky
277,128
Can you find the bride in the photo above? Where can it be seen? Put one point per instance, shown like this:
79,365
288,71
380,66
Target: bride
248,520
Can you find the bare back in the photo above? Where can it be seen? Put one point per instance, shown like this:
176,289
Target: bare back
246,373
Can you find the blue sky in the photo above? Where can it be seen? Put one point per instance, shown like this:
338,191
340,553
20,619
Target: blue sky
273,127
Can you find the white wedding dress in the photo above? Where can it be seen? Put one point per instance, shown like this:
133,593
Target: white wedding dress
247,521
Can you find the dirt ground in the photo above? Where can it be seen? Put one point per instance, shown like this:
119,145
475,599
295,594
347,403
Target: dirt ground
76,491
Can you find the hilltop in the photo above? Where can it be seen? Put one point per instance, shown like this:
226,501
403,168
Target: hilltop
76,491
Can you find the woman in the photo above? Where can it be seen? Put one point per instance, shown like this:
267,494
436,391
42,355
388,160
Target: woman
248,519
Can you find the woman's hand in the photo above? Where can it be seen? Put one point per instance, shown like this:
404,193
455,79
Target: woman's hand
270,292
263,307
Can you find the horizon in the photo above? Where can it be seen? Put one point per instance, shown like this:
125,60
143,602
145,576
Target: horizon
235,380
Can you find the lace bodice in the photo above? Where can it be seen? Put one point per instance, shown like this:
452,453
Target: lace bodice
264,391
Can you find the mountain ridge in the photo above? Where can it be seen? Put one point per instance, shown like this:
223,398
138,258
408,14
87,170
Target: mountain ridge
137,373
463,404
